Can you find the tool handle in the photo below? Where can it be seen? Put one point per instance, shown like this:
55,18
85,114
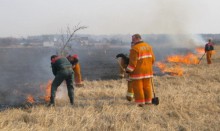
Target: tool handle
201,58
120,65
152,83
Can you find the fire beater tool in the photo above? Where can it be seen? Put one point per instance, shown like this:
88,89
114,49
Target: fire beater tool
155,100
201,58
120,65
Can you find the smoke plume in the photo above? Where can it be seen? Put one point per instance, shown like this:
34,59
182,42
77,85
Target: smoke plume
174,17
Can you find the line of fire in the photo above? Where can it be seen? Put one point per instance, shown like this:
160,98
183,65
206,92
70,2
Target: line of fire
97,63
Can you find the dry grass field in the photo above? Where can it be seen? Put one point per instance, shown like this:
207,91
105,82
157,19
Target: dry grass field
188,102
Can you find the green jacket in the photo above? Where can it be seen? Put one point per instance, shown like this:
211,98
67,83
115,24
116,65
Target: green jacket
61,64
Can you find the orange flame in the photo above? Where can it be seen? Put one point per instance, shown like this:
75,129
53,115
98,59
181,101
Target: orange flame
200,50
161,66
177,70
30,99
187,59
48,90
174,71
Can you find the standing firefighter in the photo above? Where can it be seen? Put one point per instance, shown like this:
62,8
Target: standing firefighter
76,68
62,70
140,70
209,47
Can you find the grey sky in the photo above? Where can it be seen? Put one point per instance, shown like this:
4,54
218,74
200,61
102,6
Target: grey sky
35,17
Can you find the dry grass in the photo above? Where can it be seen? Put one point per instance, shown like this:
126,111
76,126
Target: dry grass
190,102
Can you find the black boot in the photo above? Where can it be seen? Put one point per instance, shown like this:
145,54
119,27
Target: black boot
51,104
71,101
71,96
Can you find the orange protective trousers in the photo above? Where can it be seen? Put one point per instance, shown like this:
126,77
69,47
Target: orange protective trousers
208,57
77,74
142,90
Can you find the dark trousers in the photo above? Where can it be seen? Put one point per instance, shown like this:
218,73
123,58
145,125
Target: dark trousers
59,78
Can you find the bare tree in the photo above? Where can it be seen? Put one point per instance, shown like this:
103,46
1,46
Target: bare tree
67,37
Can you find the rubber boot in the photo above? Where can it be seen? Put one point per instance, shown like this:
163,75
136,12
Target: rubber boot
129,98
52,103
140,105
71,101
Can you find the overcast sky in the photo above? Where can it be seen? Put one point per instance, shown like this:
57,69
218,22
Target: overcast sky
36,17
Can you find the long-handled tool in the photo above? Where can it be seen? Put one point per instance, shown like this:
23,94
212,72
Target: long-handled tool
155,100
120,65
123,74
201,58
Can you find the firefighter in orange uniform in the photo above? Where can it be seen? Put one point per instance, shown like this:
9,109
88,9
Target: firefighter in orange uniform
140,69
209,47
76,68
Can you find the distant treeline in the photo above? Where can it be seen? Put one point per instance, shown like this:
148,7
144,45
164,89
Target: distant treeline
9,41
110,39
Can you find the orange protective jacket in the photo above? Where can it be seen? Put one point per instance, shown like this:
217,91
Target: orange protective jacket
77,73
141,61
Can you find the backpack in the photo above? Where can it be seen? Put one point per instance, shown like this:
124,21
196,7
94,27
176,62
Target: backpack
209,47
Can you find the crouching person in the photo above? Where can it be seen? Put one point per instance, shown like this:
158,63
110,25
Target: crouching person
62,70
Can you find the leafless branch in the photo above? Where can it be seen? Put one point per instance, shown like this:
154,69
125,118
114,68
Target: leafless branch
69,36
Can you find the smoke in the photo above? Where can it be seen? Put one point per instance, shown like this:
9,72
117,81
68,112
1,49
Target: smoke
23,70
175,17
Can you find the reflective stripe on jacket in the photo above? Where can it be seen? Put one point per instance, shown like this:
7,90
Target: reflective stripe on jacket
141,61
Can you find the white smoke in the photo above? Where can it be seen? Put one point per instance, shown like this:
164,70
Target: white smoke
174,17
61,91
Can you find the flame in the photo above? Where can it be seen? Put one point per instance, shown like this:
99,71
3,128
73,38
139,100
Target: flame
161,66
177,70
200,50
174,71
190,58
48,91
30,99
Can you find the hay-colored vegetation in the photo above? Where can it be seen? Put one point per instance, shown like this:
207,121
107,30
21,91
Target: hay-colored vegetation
188,102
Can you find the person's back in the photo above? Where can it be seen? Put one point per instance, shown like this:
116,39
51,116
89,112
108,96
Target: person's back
143,68
61,64
209,47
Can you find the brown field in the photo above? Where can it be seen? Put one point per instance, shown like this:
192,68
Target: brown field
188,102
